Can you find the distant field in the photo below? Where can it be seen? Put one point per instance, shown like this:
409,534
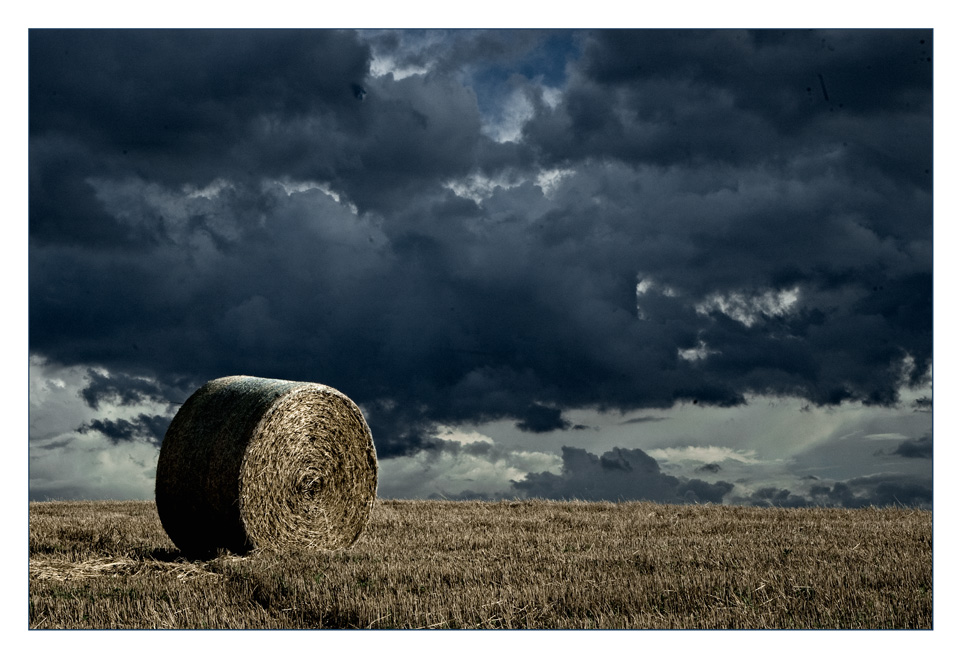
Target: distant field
523,564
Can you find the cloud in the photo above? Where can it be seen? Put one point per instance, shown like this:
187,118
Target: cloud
885,436
705,454
648,418
540,418
151,428
777,497
873,490
92,466
749,309
634,92
618,474
459,465
121,389
94,434
205,203
915,448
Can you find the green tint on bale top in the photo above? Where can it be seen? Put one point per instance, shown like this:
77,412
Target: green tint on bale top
254,463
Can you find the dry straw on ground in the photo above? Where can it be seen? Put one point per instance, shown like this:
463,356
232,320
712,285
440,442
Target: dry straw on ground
256,463
46,569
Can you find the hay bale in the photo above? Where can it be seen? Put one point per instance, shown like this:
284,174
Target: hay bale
253,463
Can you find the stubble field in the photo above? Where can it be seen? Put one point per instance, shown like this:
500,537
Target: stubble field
512,564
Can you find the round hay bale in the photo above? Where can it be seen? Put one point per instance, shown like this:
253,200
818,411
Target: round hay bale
254,463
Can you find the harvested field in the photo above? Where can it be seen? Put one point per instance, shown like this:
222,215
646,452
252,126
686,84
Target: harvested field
518,564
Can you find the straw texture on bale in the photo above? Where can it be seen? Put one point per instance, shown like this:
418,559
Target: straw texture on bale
257,463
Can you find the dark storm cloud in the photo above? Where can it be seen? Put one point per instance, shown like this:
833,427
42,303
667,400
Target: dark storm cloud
151,427
539,418
487,57
915,448
124,389
619,474
399,430
179,107
875,490
719,228
154,95
778,498
677,97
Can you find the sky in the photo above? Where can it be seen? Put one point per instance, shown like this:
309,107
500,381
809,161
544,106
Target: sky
689,266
